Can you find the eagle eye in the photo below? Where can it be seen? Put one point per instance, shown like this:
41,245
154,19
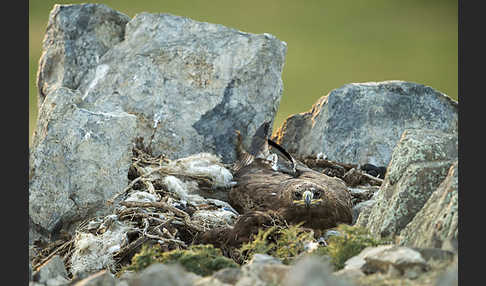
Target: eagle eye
297,196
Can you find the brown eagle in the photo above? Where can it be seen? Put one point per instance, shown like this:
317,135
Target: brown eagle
270,190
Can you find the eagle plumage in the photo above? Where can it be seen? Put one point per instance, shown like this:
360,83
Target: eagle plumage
264,191
260,188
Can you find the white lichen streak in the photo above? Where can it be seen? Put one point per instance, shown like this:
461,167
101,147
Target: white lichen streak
156,119
101,71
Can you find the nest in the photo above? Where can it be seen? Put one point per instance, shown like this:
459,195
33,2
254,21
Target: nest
162,204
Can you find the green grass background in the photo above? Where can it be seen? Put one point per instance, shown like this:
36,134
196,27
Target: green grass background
330,43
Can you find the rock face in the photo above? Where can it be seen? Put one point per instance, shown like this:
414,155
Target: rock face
78,160
190,84
105,79
420,162
437,221
76,38
362,122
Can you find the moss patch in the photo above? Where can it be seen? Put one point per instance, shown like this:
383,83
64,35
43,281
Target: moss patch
283,243
200,259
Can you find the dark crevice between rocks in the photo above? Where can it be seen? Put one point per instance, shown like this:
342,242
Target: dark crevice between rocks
215,127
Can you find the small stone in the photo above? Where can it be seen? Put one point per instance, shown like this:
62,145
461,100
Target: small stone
158,273
51,269
102,278
357,262
259,258
228,275
273,274
353,274
401,258
313,271
210,281
57,281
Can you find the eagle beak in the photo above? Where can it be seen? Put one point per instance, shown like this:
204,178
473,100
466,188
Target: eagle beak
307,195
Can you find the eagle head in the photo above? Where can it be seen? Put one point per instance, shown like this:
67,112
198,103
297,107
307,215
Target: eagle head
307,195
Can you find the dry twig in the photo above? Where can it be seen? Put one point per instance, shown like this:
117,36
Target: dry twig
165,206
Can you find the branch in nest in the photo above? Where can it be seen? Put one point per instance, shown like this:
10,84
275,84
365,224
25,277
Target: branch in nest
122,253
59,250
132,183
322,163
378,180
165,206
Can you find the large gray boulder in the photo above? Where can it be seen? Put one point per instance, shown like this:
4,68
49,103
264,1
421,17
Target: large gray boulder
437,221
76,38
105,79
362,122
420,162
78,160
190,84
